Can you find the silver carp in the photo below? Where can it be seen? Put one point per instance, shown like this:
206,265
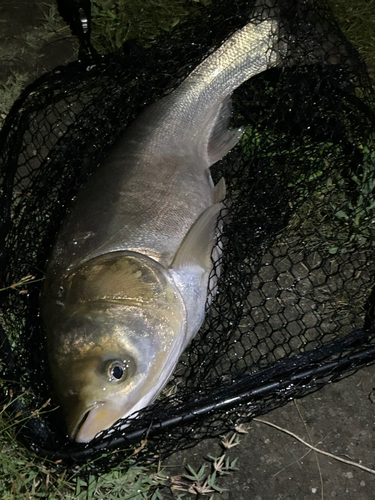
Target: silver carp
127,281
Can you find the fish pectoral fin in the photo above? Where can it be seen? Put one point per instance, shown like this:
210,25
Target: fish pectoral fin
222,139
197,245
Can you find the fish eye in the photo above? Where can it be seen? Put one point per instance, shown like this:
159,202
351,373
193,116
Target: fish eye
116,371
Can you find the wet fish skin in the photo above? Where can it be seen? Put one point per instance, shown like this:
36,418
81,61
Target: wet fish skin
127,281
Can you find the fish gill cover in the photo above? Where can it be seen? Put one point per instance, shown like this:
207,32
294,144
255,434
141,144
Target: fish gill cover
294,306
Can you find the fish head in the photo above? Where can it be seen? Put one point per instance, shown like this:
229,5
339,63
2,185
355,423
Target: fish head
97,386
113,337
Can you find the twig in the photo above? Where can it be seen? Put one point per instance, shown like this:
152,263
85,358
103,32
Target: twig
294,462
315,453
349,462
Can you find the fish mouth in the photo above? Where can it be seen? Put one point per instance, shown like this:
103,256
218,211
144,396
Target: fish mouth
77,418
94,420
80,425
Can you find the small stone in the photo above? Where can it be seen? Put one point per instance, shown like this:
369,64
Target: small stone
372,396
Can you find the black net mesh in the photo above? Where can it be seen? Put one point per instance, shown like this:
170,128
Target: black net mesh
294,308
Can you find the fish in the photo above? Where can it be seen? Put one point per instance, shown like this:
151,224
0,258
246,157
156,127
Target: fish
127,282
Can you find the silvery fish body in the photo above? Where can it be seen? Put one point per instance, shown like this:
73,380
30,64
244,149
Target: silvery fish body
127,282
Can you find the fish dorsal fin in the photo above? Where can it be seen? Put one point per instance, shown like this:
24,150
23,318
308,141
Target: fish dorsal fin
222,139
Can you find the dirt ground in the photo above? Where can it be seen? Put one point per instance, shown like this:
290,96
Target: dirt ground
271,464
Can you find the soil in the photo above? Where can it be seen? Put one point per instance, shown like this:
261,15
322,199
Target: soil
271,464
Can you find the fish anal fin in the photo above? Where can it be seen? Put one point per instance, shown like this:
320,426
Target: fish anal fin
220,191
222,139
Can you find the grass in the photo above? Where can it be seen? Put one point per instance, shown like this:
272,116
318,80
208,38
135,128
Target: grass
9,91
357,21
114,22
24,476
